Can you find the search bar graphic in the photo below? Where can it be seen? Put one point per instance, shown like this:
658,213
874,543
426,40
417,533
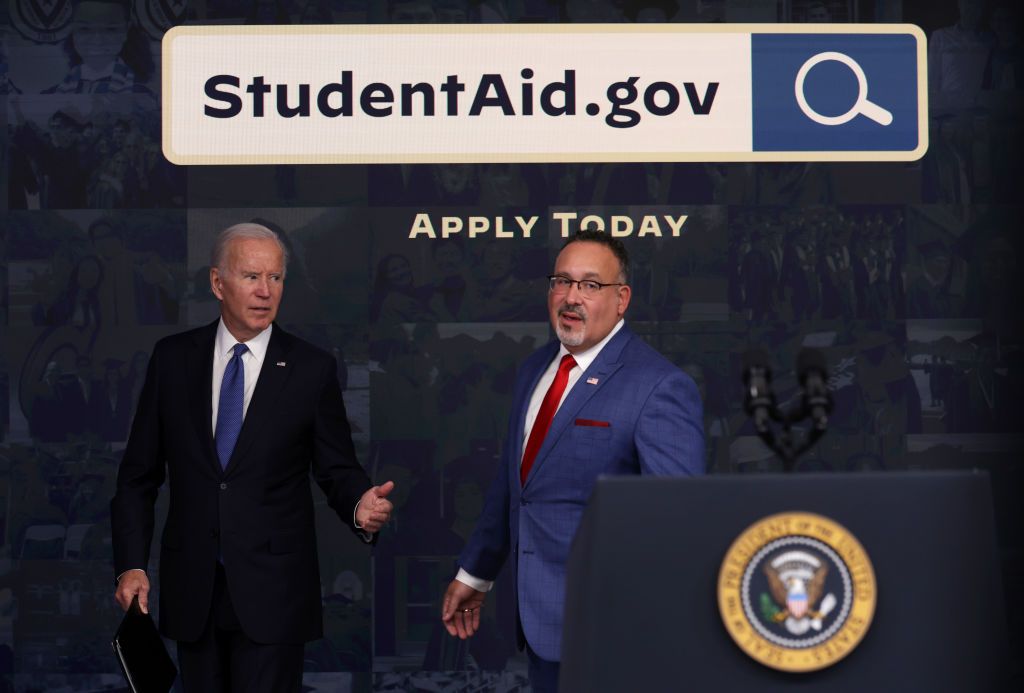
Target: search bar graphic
543,93
850,92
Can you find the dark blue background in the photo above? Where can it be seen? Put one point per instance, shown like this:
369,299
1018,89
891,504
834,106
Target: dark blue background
925,374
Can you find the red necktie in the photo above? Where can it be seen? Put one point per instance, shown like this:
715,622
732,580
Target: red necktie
545,415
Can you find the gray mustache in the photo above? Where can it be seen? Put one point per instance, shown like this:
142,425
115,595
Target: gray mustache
575,310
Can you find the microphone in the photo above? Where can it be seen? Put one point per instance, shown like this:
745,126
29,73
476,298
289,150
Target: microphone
812,373
759,402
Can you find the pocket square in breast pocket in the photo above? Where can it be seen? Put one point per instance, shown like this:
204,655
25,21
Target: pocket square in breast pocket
592,422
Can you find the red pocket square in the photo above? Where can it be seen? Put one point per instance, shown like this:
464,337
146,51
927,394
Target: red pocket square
592,422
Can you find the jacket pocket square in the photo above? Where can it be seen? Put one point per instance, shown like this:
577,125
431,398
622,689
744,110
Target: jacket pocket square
592,422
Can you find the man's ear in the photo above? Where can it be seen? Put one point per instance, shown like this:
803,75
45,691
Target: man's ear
215,283
625,293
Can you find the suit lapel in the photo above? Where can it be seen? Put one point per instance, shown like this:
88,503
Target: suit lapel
601,370
273,375
200,378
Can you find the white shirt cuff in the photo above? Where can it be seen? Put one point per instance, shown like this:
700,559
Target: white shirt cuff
363,534
128,571
476,583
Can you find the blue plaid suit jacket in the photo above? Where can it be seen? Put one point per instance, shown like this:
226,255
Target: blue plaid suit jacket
631,412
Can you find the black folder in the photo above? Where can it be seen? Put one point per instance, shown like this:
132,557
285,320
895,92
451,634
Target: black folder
140,650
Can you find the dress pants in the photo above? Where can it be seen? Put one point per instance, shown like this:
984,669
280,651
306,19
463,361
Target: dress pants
543,673
224,660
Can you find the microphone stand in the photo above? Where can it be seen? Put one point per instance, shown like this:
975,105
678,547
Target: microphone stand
786,444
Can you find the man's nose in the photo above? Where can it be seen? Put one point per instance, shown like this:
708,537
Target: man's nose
573,296
263,288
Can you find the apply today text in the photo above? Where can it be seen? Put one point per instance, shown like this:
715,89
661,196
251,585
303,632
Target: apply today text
618,225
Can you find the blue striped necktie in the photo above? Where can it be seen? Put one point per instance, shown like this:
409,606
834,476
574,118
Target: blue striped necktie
229,409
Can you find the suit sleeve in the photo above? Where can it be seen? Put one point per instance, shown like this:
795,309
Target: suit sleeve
335,467
670,432
488,546
139,479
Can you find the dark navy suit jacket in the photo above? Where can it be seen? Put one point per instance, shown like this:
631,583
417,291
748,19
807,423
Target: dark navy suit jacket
631,412
257,514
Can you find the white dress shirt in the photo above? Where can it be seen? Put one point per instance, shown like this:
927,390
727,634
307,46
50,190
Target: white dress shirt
583,361
252,361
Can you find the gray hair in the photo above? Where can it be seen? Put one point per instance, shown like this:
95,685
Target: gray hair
243,230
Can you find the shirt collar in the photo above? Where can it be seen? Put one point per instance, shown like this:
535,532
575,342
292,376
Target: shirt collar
585,358
226,341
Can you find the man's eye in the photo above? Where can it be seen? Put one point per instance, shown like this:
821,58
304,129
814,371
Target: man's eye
590,286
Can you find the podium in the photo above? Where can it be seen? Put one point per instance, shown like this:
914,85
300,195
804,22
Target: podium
642,607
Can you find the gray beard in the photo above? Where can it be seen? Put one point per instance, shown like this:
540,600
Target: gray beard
569,338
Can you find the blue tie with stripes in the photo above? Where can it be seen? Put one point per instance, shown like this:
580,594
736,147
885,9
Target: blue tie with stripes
229,409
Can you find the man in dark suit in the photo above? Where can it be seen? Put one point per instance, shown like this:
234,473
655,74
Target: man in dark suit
597,401
236,415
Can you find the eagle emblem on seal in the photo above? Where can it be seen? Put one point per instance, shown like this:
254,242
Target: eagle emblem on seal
796,582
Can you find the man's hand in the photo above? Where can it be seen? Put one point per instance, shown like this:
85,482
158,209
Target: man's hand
133,582
461,610
374,509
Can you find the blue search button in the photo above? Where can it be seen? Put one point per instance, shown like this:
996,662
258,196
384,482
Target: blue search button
835,92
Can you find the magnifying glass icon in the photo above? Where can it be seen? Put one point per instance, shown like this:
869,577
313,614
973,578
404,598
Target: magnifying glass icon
861,106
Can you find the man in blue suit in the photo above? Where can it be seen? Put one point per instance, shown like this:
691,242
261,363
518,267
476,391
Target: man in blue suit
597,401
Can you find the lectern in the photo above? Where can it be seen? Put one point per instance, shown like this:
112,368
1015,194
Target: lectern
645,585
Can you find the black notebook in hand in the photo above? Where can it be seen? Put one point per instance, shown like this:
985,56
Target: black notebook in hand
141,652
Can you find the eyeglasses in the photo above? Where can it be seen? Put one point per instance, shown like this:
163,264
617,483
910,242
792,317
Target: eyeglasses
558,284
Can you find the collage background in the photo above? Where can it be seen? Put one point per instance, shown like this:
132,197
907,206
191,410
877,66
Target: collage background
904,274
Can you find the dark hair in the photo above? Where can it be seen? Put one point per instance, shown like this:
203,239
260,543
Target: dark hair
613,244
382,284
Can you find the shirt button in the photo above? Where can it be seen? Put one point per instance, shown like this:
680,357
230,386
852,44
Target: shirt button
223,487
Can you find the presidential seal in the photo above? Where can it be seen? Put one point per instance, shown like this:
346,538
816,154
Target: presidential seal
796,591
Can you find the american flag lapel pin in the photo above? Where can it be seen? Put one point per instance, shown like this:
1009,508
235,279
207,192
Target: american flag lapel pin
591,381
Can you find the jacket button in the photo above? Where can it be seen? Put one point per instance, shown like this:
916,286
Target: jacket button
223,487
214,534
